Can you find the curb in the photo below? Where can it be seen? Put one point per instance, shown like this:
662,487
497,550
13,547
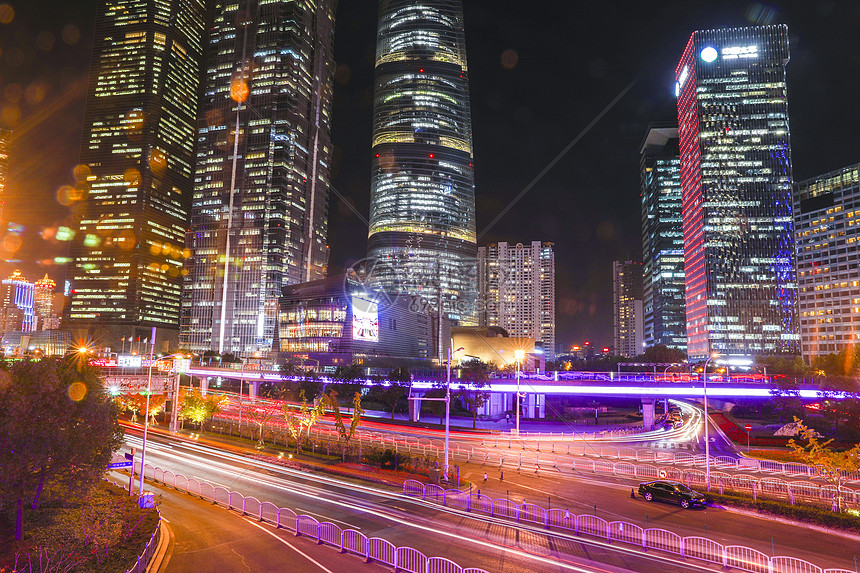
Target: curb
164,549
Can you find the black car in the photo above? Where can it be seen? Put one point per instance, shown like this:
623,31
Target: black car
672,492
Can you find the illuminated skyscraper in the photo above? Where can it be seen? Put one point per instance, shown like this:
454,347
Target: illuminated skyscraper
44,303
422,198
5,143
135,178
827,213
516,284
260,216
662,239
741,291
628,317
16,304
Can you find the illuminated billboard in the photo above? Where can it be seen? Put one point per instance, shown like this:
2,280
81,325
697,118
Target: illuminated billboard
365,320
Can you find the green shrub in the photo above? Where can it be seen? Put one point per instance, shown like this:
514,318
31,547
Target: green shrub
805,513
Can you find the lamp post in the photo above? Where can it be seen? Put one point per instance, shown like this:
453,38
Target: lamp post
241,380
707,439
519,354
448,408
146,416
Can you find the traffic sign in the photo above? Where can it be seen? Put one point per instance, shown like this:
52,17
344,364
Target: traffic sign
748,428
129,456
116,465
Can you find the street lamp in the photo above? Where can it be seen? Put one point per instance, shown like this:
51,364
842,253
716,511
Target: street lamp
519,354
448,408
707,440
146,416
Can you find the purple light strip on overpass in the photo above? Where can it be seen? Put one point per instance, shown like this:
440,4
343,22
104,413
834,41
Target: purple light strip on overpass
715,390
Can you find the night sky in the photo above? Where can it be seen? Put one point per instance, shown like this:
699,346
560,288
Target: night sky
538,77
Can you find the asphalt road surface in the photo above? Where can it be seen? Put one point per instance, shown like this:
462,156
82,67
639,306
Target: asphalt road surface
490,543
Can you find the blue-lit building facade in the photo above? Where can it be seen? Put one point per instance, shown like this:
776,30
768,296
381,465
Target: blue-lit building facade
740,281
259,217
665,322
827,218
422,206
17,297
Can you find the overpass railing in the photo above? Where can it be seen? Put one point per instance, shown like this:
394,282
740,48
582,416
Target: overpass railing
694,547
321,532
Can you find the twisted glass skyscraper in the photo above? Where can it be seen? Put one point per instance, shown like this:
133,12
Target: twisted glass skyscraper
259,215
422,203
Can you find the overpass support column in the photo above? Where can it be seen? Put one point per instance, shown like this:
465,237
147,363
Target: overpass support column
253,389
204,385
648,413
415,408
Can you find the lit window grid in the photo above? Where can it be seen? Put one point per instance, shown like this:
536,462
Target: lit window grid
737,268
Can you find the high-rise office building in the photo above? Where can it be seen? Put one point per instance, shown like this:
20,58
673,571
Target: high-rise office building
517,292
741,289
627,308
827,219
5,144
135,179
17,296
662,239
259,219
44,304
422,197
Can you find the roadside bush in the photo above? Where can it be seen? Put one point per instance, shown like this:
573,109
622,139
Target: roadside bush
804,513
387,458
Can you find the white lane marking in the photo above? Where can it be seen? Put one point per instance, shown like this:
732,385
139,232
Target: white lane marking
324,517
293,547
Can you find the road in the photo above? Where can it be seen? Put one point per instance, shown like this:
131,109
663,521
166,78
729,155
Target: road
490,543
208,538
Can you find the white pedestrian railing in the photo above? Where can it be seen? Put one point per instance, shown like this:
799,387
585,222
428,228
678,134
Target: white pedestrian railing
694,547
345,540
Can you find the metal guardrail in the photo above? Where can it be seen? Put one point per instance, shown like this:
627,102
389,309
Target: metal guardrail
351,541
148,553
695,547
619,461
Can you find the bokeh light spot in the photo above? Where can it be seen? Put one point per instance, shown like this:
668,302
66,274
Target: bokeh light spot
13,93
11,115
35,93
11,243
71,34
7,14
92,241
239,90
510,59
82,173
45,41
132,176
64,234
77,391
157,161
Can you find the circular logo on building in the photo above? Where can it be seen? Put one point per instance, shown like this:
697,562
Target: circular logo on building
364,279
709,54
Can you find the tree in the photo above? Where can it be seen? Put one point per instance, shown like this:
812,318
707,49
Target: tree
330,401
662,354
194,406
260,414
391,391
137,403
472,389
300,422
347,379
57,426
832,466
